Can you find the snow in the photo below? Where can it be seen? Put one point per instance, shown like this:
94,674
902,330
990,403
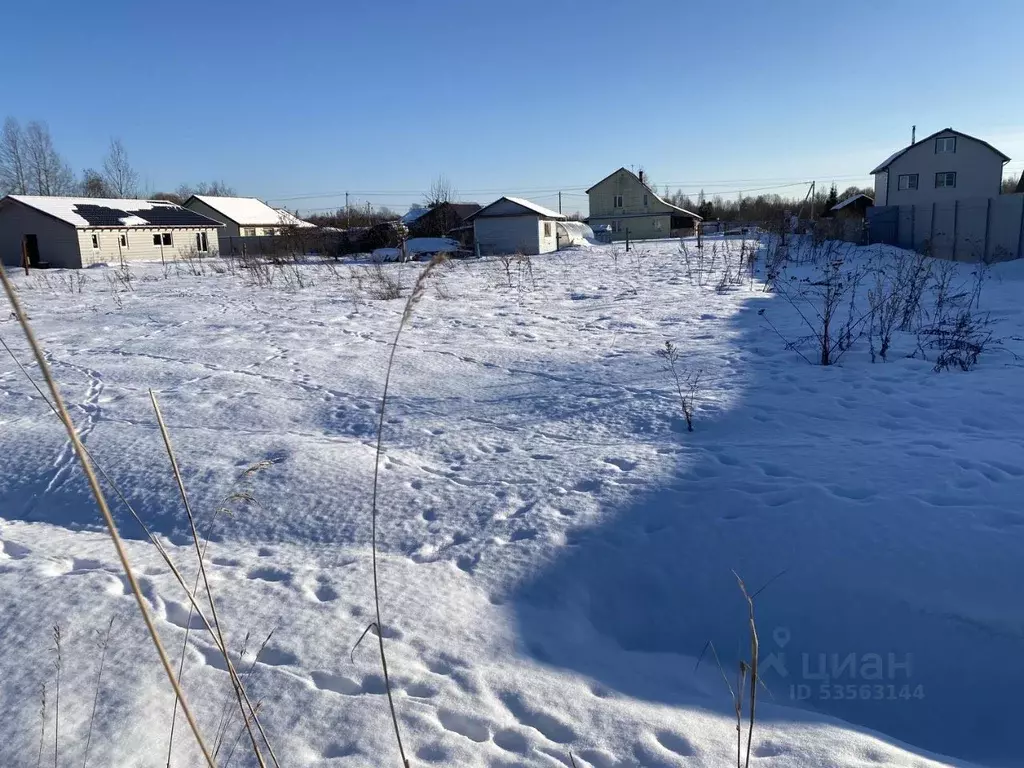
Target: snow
529,205
250,211
556,549
414,214
63,208
432,245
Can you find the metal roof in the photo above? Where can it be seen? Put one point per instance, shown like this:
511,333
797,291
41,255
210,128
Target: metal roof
85,212
892,158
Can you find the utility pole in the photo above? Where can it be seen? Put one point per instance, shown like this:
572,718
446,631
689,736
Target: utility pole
348,213
559,201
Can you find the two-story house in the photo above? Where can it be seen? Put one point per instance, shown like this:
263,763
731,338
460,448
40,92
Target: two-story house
942,168
624,202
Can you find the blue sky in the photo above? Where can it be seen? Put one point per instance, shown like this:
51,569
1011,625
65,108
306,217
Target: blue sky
292,101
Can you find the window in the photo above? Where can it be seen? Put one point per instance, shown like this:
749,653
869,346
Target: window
249,232
616,225
945,144
945,179
202,244
547,229
95,242
617,201
124,239
657,224
156,239
167,238
271,232
907,181
645,200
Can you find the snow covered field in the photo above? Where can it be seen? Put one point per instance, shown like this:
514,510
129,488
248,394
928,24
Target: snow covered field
556,548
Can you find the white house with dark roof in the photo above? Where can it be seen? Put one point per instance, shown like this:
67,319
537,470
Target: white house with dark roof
514,225
72,232
942,168
245,216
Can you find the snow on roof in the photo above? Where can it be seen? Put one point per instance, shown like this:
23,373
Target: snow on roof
114,212
536,208
250,211
414,214
851,199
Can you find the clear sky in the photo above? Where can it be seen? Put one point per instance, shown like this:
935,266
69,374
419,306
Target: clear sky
290,101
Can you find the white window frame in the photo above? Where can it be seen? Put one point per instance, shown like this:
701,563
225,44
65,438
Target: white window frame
657,224
945,175
202,243
547,229
945,145
249,232
616,201
167,238
910,177
616,225
95,241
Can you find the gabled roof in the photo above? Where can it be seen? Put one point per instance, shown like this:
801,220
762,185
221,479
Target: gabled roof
1020,184
651,191
851,199
249,211
892,158
88,212
462,210
540,210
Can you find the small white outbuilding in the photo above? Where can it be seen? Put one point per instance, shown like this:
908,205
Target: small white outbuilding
514,225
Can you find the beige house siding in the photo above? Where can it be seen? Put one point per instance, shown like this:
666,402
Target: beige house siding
138,243
979,173
622,182
58,241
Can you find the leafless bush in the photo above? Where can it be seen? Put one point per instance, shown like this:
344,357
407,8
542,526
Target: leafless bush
960,339
819,301
380,283
687,381
518,268
192,260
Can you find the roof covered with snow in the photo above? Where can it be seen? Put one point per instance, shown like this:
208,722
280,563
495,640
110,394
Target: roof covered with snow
850,200
250,211
90,212
892,158
414,214
530,207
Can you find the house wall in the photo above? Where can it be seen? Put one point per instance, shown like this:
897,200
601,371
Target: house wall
140,245
975,229
645,227
979,173
622,182
230,228
881,188
512,234
58,241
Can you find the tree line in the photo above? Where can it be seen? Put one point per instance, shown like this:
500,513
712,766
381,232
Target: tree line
30,164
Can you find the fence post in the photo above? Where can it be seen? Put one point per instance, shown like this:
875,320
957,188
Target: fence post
956,210
988,220
1020,237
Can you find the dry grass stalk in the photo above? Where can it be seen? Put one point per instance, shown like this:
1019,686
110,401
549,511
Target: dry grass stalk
418,290
101,503
58,665
104,643
236,683
42,724
754,652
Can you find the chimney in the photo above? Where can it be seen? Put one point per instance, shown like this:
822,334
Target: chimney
641,175
913,134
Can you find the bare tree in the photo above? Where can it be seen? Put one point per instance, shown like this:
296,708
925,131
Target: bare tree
13,165
122,180
93,184
441,191
46,171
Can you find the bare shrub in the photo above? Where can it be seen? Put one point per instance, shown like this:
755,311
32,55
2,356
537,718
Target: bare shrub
382,284
687,381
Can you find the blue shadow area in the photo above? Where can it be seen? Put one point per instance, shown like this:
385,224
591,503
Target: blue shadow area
896,609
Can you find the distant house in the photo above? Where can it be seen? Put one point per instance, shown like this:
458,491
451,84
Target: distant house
439,220
72,232
942,168
853,207
514,225
245,216
623,201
